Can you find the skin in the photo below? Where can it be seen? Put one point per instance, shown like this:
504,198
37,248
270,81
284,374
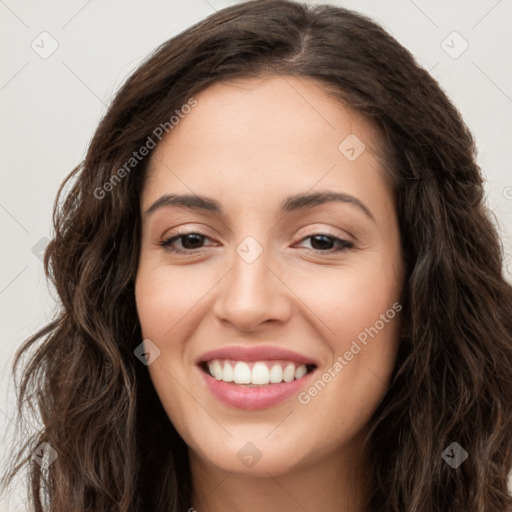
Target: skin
249,145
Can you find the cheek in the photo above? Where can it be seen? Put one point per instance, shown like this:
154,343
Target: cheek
348,299
163,300
359,313
164,296
348,390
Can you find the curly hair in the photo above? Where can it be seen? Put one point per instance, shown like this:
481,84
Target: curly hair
452,379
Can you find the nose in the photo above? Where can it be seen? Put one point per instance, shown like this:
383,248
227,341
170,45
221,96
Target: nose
252,294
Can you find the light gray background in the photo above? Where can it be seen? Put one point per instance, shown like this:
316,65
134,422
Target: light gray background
51,106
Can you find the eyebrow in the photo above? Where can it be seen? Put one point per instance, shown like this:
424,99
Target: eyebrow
290,204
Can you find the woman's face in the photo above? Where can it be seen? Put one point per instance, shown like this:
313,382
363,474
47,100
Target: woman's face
265,271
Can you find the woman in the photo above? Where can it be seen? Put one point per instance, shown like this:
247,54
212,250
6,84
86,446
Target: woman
337,337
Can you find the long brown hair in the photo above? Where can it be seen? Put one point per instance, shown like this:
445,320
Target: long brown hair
117,449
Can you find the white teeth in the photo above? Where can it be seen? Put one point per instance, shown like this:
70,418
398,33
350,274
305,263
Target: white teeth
228,374
276,374
300,371
289,373
242,373
261,373
217,370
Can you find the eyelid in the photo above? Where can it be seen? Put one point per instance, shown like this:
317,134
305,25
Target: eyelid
312,230
184,228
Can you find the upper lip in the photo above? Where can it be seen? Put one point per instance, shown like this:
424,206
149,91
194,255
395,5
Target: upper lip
241,353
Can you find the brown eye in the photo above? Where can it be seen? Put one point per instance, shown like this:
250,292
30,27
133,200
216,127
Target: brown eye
322,242
189,242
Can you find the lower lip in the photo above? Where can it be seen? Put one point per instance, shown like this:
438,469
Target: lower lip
244,397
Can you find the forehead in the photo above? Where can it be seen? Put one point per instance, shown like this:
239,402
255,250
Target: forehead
260,137
267,113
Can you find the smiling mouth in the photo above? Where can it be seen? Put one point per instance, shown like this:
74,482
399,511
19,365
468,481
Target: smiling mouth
256,373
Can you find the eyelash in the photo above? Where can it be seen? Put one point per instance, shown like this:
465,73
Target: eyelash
166,244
